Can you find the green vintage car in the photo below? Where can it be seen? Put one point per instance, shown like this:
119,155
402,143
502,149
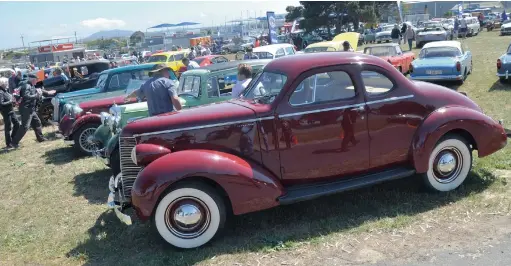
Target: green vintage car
201,86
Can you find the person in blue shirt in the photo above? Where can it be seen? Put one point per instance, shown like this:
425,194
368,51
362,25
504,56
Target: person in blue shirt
250,54
58,72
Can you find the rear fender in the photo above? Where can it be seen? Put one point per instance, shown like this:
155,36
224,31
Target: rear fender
248,186
82,120
488,135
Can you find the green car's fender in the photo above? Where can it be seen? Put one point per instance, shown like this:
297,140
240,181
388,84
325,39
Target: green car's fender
103,134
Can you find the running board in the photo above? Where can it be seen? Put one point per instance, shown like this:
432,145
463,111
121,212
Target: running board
307,192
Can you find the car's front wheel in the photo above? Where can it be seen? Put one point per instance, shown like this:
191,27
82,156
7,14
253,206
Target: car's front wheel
84,143
190,215
449,164
45,113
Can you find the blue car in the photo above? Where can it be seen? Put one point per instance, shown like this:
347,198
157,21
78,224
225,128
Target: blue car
442,61
111,83
504,66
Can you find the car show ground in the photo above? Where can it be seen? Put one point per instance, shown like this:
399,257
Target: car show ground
54,212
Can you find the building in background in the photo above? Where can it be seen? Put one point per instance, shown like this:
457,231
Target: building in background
54,50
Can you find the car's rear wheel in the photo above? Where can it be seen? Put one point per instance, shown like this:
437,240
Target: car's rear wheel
190,215
449,164
84,143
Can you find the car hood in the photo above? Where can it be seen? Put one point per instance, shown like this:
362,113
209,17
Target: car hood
78,93
216,114
102,103
507,25
431,32
383,33
435,61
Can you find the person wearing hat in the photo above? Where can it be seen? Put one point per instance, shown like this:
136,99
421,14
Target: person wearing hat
7,110
160,91
29,96
347,47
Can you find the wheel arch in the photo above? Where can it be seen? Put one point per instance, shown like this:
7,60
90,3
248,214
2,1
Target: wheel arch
482,132
249,186
82,121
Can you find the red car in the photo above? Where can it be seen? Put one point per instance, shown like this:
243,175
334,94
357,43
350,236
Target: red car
309,125
392,53
206,61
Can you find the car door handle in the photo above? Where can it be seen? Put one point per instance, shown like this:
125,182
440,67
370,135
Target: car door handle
360,108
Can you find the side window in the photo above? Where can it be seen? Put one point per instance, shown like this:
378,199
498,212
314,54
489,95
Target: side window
290,50
376,83
191,86
227,80
212,87
124,79
221,59
114,83
279,53
323,87
178,57
171,58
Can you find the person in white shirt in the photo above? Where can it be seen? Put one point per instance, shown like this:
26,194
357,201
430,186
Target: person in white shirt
463,27
190,64
244,78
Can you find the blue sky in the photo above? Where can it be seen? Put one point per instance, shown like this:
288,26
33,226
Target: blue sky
43,20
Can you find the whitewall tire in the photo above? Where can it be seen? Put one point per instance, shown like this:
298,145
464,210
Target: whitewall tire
449,164
190,215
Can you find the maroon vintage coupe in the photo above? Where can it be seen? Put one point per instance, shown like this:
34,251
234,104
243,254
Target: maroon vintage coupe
309,125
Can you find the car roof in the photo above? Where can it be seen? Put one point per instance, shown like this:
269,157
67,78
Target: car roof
208,56
128,68
84,63
455,44
226,65
306,61
272,48
172,52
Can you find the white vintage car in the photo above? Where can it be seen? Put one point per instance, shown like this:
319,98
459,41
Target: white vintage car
384,35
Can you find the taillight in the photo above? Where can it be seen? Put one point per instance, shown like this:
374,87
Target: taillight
458,66
499,64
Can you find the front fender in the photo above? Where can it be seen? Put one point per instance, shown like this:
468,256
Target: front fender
249,186
112,145
82,120
102,134
489,135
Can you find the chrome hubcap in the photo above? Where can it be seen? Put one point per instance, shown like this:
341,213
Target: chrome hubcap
187,217
86,140
447,165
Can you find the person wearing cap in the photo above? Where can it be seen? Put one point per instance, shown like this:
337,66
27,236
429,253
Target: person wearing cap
6,108
347,47
159,91
29,96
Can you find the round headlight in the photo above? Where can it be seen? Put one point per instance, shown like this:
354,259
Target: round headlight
104,116
115,110
75,110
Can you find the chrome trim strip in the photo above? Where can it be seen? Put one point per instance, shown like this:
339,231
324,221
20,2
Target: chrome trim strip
436,77
270,117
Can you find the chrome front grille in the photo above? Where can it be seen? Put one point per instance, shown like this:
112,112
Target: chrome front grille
129,170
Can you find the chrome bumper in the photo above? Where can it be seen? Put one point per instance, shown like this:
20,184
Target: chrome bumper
504,74
112,205
446,77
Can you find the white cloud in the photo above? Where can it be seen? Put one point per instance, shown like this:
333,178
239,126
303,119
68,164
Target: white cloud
202,15
103,23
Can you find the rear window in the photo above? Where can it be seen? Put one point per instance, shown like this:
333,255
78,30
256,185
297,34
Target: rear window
157,58
264,55
439,52
380,51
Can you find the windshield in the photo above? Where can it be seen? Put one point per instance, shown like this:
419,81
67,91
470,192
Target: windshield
101,81
157,58
380,51
267,84
506,22
388,28
439,52
433,27
134,84
263,55
319,49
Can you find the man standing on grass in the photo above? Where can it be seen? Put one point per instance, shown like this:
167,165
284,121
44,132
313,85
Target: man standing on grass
29,118
463,27
7,111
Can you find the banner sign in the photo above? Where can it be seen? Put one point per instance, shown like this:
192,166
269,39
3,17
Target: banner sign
55,48
272,28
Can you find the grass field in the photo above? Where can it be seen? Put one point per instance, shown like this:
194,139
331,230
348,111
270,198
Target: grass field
53,212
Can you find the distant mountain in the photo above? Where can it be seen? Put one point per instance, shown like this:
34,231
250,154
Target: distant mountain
107,34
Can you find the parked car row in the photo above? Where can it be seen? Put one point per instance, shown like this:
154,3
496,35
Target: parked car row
307,125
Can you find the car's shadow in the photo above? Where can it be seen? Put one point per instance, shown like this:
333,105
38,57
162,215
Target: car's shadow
92,186
499,86
111,242
60,156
